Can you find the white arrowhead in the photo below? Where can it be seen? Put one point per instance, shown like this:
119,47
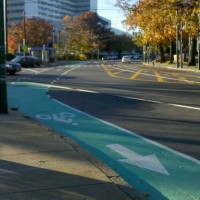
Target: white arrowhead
150,162
147,162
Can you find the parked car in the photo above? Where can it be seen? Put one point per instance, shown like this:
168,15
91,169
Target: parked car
12,67
39,60
136,56
111,57
126,59
26,61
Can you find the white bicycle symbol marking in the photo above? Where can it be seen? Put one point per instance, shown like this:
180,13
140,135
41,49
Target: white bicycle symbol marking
64,117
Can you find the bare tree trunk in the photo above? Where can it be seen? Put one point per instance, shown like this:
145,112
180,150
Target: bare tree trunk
162,55
171,52
192,61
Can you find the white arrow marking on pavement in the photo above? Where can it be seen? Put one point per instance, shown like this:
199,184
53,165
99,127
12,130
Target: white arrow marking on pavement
150,162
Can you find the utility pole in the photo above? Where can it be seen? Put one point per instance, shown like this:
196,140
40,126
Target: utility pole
3,88
198,45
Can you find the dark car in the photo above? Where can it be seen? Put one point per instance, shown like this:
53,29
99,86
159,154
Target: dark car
12,67
27,61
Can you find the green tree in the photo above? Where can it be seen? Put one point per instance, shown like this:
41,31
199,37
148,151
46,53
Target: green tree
83,34
120,43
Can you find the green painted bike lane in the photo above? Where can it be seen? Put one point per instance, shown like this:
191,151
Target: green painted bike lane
148,166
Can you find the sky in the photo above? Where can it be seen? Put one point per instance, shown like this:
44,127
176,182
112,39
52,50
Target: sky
107,9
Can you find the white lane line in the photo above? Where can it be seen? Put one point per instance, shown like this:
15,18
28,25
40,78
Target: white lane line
183,106
108,123
134,134
150,89
63,74
159,102
96,92
52,86
41,85
70,70
48,69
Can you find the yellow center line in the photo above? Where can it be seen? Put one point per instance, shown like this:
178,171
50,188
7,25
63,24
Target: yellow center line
160,79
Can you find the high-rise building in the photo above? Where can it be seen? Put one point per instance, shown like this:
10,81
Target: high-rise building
51,10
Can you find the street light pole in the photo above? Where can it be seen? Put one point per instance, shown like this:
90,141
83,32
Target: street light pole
3,89
24,39
179,27
177,40
6,28
198,47
181,45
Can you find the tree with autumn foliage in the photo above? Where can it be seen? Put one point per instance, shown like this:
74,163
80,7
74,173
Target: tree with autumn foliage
37,33
83,34
154,21
120,43
12,44
157,21
190,18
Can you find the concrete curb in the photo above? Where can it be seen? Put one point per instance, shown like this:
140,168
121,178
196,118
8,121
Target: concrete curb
185,68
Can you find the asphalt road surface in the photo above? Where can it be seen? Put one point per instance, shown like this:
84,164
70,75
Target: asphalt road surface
147,116
160,104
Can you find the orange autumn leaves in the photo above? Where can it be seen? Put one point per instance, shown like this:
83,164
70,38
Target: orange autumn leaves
37,33
156,20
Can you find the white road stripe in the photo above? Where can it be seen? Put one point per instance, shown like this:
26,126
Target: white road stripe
134,134
91,91
159,102
127,131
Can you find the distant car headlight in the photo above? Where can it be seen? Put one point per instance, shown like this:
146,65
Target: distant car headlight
8,65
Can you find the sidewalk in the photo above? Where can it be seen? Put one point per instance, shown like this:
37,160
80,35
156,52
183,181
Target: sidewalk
172,66
37,163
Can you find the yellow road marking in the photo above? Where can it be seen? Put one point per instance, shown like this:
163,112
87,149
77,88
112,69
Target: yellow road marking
160,79
123,70
107,70
110,73
182,78
134,76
